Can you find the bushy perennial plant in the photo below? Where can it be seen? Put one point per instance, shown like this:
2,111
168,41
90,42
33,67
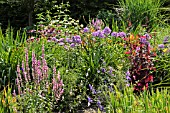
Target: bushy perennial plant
38,79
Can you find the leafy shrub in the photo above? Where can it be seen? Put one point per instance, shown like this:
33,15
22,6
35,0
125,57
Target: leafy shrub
141,57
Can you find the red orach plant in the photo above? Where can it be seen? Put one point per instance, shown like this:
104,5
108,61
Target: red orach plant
140,56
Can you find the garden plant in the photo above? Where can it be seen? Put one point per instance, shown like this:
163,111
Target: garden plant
116,64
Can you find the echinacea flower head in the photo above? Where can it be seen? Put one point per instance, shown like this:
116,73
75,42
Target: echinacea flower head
161,46
107,30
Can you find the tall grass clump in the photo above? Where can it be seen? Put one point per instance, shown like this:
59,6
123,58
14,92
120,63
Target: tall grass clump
128,102
11,48
137,13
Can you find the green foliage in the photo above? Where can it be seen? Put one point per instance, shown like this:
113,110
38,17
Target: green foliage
11,53
154,101
140,12
7,101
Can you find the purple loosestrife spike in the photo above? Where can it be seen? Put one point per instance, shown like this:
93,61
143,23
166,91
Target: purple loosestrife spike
14,93
18,84
43,52
44,64
19,73
27,64
38,71
24,72
107,30
57,85
33,64
54,71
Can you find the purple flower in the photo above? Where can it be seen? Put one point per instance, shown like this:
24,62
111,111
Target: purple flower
68,40
127,85
101,34
61,40
89,99
143,40
103,70
86,29
91,87
110,70
61,43
54,39
77,39
32,31
128,73
72,45
147,36
107,30
98,102
114,34
95,34
165,40
97,24
100,106
161,45
122,34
